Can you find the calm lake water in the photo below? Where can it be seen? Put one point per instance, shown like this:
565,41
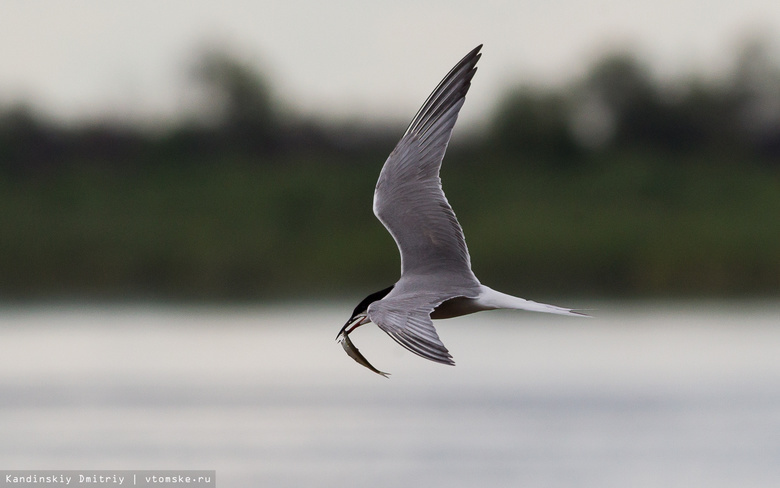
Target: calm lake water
651,395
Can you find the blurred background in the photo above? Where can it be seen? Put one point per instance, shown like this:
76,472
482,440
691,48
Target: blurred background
201,152
186,221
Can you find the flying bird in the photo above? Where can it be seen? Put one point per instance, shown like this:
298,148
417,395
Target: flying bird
436,278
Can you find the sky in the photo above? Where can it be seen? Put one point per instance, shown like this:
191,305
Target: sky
348,59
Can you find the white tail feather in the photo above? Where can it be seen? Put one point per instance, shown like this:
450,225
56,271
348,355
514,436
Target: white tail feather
492,299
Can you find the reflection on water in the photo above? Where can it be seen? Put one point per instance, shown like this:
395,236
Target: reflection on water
641,396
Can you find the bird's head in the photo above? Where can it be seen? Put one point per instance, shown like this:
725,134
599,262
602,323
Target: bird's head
360,314
360,317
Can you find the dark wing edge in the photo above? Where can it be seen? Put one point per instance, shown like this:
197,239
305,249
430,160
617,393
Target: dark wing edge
447,93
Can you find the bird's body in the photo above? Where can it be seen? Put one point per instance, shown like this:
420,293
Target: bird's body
436,277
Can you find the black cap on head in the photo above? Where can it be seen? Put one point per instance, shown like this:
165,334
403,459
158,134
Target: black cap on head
363,305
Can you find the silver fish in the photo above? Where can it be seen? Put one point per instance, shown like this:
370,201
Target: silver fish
354,353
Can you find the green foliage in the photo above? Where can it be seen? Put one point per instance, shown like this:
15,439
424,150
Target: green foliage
533,124
236,230
625,226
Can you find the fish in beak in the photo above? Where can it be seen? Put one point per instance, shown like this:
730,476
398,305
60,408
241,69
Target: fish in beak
349,347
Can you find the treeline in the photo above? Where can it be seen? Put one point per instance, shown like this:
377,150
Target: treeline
618,105
239,118
617,183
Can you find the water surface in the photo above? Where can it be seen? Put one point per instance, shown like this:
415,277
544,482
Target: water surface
655,395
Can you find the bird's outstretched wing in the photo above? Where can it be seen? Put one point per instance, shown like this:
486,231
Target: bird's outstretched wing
409,200
407,319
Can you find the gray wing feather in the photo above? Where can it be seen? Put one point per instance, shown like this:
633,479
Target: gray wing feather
409,200
407,319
